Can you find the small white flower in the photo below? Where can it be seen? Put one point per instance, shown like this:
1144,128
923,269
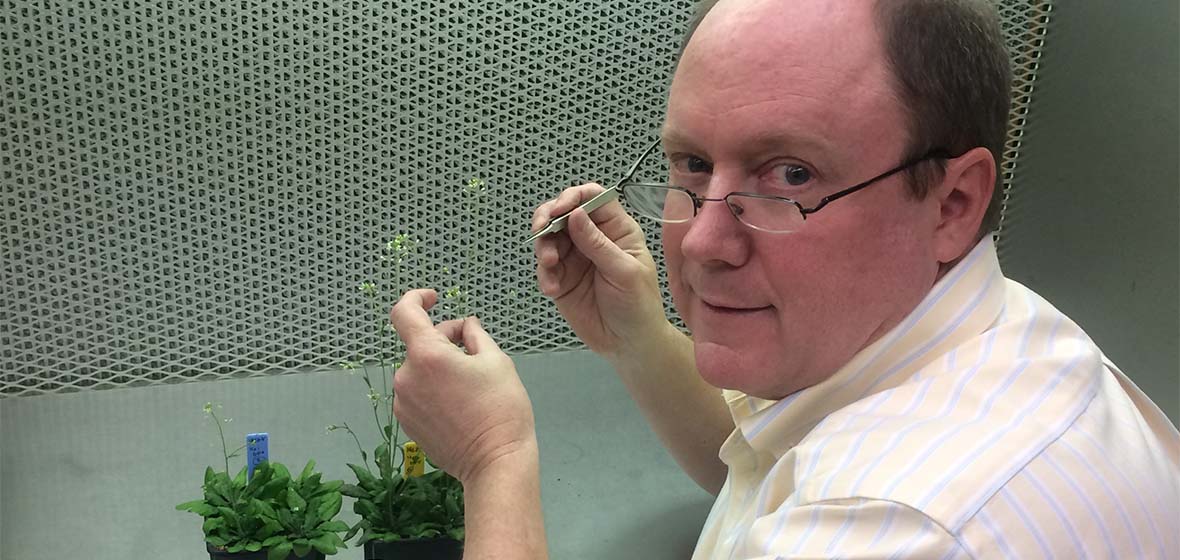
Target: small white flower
368,288
373,395
208,408
475,186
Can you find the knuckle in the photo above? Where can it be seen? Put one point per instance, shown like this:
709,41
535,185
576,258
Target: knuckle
398,409
401,386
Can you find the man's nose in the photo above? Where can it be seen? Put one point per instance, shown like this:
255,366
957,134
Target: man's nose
715,234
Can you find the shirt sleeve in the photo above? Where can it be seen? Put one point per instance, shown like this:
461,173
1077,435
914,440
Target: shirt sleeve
848,528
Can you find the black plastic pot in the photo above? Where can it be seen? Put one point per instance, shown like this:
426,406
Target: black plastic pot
415,549
216,554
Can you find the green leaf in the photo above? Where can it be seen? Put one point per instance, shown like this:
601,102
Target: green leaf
273,541
310,521
279,552
235,548
367,481
352,532
366,509
198,507
280,470
253,546
285,519
264,509
262,475
381,457
324,544
388,429
209,474
349,490
329,486
295,501
452,506
216,541
380,497
269,528
272,488
330,507
212,524
301,547
240,479
230,516
307,470
336,526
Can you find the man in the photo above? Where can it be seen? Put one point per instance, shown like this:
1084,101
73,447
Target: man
861,381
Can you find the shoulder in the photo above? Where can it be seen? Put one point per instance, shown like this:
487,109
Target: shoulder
947,440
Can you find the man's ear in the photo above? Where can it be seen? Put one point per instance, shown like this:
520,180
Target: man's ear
963,197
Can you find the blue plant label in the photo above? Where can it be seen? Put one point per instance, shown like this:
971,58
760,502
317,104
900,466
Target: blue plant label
257,451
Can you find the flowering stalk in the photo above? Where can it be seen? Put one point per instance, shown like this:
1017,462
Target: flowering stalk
208,408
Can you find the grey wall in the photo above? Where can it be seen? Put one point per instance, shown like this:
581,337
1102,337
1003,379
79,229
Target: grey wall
1096,197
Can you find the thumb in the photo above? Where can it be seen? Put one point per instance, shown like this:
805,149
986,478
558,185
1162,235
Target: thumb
475,339
604,253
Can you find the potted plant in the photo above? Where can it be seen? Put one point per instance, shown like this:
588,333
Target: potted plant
268,515
404,511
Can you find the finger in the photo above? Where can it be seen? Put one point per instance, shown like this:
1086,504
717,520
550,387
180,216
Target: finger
566,201
542,214
596,246
409,317
476,339
550,249
452,329
573,196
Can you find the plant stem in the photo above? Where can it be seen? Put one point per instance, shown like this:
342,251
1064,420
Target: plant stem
221,433
397,426
358,446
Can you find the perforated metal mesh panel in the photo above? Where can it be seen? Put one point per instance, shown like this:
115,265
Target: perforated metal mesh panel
195,189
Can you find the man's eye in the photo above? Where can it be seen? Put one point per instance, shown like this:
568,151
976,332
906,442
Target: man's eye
794,175
697,165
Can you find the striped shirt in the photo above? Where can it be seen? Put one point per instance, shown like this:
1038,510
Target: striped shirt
985,425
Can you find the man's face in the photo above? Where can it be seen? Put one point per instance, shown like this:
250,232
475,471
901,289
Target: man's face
795,100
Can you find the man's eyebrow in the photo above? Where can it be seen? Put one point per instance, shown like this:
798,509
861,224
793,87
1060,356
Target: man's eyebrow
761,143
777,140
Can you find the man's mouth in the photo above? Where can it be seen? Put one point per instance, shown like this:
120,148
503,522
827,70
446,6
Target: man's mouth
733,310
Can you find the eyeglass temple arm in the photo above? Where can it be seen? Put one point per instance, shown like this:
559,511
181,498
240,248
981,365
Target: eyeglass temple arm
635,166
933,154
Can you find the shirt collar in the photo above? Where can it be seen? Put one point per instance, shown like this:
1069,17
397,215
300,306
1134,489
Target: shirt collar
960,305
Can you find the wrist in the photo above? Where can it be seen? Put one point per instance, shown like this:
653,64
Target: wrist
654,346
519,458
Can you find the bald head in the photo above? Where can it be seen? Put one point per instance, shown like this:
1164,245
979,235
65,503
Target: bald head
840,36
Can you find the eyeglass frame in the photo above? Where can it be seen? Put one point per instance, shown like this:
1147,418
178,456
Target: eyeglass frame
698,201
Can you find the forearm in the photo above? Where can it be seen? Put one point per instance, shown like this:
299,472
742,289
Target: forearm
689,416
503,509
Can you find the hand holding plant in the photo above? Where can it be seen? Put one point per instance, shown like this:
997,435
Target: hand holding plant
465,406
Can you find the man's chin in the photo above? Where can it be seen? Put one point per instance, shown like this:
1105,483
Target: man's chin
724,367
738,369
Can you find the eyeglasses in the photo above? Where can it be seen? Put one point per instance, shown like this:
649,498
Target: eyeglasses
773,214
